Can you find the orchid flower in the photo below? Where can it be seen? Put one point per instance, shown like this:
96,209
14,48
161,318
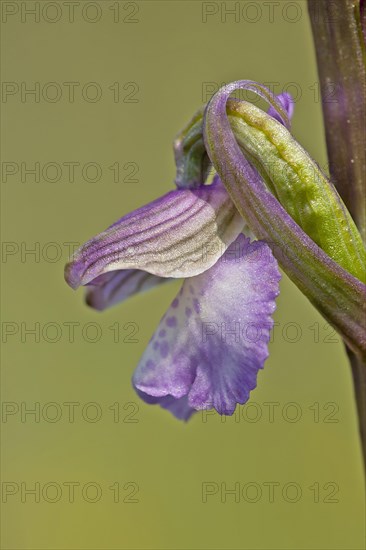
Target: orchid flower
212,341
209,346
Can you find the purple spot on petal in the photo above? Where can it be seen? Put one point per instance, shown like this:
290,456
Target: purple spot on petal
171,322
175,303
156,345
164,349
196,305
188,311
191,289
150,364
162,333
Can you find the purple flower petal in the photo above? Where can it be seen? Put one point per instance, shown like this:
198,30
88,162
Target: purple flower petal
214,338
287,103
180,234
114,287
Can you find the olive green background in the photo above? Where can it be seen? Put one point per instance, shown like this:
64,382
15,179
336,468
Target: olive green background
170,53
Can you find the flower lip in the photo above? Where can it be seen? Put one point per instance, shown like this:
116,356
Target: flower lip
220,317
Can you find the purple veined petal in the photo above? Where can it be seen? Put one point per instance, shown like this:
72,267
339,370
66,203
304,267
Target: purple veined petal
178,235
114,287
287,103
214,338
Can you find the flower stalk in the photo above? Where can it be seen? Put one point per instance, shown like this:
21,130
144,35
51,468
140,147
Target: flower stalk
339,33
340,51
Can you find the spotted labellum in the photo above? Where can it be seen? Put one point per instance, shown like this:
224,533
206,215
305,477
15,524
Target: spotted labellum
248,198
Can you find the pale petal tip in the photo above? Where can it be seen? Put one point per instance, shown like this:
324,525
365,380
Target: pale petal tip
72,275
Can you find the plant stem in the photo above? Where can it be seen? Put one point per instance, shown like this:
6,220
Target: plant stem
339,39
340,52
358,367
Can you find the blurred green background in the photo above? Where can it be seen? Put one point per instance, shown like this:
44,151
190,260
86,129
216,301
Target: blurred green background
153,63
